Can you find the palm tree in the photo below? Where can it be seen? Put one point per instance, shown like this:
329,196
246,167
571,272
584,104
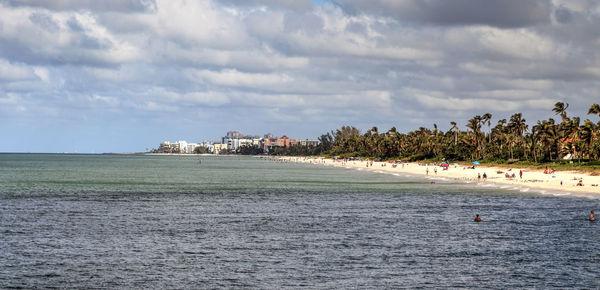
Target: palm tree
510,140
533,139
455,129
594,109
560,108
499,136
547,135
548,140
575,133
517,123
475,125
487,117
518,126
588,134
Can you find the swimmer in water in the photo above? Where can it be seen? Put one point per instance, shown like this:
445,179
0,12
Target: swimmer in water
592,216
477,218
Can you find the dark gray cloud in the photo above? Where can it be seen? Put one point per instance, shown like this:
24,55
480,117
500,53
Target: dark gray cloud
563,14
498,13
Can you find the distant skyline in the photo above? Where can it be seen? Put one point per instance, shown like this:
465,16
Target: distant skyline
123,76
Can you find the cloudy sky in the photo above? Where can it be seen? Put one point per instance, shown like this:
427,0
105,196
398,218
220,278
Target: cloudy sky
125,75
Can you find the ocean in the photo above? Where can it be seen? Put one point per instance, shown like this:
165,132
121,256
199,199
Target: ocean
136,221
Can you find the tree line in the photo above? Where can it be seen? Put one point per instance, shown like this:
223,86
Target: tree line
508,140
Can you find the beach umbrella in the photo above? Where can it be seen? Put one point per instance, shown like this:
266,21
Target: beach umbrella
476,162
455,164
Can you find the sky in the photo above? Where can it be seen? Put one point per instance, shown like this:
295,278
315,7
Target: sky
125,75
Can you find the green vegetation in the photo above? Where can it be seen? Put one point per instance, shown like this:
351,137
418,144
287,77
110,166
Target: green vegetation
548,142
201,150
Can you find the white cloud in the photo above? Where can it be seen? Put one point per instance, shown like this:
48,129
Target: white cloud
266,60
104,100
13,72
518,43
192,23
38,36
231,77
42,73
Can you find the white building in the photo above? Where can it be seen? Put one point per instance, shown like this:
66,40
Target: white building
210,146
235,143
182,146
190,147
235,139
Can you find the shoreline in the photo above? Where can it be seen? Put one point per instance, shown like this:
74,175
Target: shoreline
532,178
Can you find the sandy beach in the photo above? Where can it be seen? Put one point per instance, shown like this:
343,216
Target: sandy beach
562,181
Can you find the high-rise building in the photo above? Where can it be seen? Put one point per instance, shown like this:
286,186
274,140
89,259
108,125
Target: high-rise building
234,134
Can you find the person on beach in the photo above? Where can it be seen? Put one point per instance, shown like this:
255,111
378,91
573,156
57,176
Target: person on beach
520,174
484,176
477,218
591,218
478,177
435,170
427,171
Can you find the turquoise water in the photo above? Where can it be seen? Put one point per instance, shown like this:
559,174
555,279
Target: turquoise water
121,221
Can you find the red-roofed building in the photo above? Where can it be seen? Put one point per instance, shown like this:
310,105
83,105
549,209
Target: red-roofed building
284,141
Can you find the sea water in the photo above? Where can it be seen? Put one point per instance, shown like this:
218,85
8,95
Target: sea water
121,221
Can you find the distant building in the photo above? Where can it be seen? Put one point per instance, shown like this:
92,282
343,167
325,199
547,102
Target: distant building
235,139
168,147
191,147
234,135
218,147
182,146
310,142
270,143
210,147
